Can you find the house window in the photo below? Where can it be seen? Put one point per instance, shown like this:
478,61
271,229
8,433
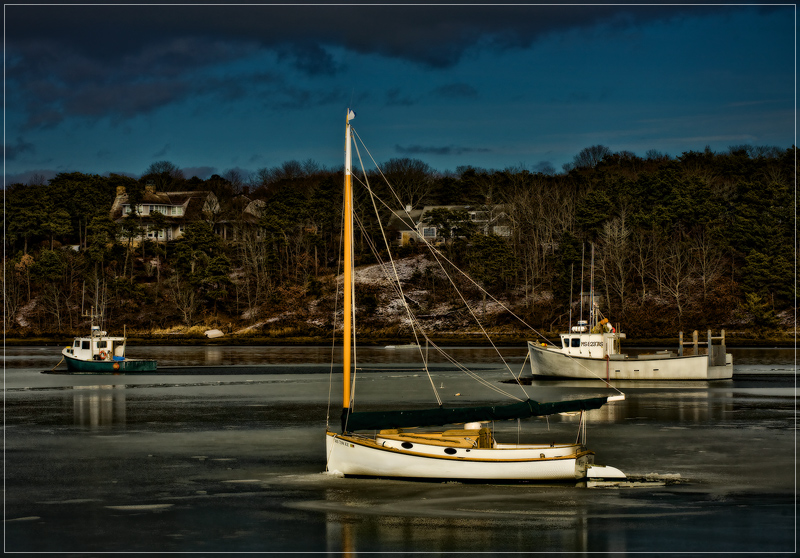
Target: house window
502,230
126,209
177,210
429,232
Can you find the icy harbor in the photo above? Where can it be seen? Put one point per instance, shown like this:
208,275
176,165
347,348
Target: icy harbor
232,461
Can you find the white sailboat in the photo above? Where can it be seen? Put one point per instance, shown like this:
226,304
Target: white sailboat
400,445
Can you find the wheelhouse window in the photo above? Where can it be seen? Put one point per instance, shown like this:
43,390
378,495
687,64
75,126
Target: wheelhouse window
576,341
85,345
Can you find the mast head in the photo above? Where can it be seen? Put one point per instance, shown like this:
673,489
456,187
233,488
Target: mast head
350,115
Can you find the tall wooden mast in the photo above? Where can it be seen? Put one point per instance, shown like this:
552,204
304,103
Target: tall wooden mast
348,268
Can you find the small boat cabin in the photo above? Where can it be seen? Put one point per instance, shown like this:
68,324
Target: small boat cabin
98,346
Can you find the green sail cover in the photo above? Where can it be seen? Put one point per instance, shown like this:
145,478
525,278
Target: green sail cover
379,420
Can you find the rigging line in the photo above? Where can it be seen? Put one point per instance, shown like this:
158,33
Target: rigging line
436,251
433,251
480,325
417,326
394,269
353,321
527,357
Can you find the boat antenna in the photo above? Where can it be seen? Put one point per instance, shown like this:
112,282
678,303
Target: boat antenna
571,277
583,257
592,316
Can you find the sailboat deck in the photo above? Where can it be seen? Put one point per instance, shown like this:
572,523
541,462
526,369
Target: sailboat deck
472,438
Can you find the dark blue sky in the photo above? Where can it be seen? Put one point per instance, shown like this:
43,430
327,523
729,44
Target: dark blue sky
101,89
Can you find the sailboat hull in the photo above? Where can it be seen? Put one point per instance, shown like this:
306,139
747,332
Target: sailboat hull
355,455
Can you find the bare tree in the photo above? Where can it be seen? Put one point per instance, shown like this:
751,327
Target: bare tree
255,283
13,293
184,297
614,257
236,178
642,258
675,266
411,179
588,157
710,261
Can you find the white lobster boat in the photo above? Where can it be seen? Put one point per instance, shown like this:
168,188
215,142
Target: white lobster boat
585,355
399,444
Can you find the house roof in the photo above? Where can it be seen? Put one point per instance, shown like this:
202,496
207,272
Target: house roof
402,220
192,202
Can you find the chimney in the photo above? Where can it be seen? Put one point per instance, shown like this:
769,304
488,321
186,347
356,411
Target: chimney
408,208
120,190
150,188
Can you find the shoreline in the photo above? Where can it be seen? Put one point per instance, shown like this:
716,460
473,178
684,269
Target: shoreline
462,340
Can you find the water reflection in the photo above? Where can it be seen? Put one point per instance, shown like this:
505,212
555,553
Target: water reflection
98,407
462,522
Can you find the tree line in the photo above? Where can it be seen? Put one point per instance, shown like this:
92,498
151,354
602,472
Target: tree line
702,240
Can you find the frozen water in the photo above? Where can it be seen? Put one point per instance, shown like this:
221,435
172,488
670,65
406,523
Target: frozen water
235,463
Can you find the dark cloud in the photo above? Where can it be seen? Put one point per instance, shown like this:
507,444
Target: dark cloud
21,146
200,172
96,61
444,150
435,35
122,173
29,177
395,97
545,167
310,58
162,152
456,91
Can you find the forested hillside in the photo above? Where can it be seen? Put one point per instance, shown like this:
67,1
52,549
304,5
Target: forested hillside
703,240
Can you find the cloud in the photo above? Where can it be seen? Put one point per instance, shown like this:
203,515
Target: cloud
396,98
456,91
162,152
21,146
443,150
200,172
433,35
309,58
123,173
28,177
98,61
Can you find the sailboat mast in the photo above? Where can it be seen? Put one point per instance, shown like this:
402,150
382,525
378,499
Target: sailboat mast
348,265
